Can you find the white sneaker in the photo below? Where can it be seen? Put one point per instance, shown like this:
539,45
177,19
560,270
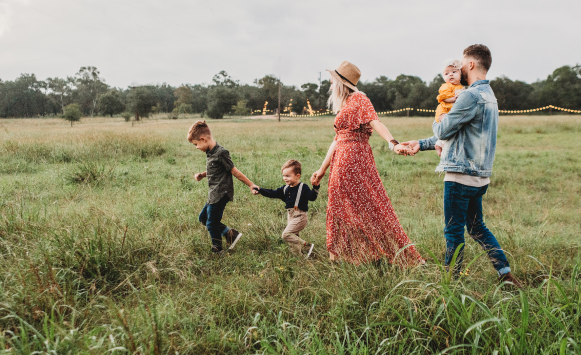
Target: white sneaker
310,250
235,237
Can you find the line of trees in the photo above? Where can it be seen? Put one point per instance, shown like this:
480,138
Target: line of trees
29,97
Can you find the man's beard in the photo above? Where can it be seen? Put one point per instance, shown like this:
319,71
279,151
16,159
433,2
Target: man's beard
463,80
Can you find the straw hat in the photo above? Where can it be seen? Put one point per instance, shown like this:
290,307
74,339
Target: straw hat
347,73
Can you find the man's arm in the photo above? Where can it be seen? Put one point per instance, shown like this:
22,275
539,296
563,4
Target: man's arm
428,143
422,144
463,111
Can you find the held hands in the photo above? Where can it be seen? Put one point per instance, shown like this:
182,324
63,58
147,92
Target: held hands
254,189
413,146
317,177
403,149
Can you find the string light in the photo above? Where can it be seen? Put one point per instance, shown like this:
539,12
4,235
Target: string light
540,109
328,112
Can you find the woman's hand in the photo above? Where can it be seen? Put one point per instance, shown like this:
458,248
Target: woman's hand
317,177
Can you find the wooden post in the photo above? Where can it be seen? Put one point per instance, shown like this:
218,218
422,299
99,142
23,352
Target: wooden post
320,90
550,111
408,112
279,100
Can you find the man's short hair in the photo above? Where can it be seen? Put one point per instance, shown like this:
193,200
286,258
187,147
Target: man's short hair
295,164
198,130
481,54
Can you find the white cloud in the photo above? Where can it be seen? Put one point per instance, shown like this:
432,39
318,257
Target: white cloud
7,12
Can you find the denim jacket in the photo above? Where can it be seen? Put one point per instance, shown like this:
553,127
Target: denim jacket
470,132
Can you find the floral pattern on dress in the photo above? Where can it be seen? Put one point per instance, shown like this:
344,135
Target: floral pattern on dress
361,223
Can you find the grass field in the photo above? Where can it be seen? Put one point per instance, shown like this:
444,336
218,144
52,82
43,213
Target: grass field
101,251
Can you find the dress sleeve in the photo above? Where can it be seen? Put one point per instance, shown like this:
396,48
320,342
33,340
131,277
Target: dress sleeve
362,112
446,92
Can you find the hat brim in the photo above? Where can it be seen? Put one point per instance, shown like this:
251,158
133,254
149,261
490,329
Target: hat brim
345,82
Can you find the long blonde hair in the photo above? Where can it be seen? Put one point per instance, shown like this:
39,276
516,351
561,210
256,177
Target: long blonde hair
339,94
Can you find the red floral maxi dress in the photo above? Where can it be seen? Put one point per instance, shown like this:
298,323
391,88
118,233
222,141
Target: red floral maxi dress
361,223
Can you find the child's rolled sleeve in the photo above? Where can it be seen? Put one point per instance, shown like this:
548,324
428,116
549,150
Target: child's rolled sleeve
226,160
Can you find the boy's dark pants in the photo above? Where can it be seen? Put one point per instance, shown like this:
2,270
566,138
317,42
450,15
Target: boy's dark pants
211,217
463,207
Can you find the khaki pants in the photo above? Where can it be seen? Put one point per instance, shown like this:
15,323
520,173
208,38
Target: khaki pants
297,221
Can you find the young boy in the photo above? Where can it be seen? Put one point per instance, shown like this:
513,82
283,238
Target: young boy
219,171
296,196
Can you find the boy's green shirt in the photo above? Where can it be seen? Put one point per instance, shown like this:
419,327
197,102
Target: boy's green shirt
218,171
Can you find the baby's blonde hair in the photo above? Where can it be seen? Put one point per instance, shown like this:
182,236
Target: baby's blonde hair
454,63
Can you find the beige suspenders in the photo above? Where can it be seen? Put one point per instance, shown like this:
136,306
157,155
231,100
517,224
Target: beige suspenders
298,195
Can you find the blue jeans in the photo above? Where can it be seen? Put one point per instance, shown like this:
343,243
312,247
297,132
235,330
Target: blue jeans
211,217
463,207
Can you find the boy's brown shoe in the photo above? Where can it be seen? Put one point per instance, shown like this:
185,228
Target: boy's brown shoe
232,237
509,278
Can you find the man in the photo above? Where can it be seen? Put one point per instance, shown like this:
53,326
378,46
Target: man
470,128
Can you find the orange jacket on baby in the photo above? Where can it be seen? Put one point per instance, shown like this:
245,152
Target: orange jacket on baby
447,91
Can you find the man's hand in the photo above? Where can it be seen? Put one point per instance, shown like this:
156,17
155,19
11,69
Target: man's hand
438,149
254,189
199,176
414,146
317,177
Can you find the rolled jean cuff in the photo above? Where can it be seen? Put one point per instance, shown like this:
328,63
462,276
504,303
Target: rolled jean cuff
504,270
227,229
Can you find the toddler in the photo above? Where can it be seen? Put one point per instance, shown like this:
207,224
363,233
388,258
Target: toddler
296,196
448,92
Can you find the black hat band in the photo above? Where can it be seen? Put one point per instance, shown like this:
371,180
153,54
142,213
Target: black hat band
344,78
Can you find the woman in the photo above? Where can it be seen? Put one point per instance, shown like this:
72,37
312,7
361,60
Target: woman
361,223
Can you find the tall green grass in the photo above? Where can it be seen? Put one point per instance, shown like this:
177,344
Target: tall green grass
101,251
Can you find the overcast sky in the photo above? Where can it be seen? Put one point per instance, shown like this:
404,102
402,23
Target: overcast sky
179,41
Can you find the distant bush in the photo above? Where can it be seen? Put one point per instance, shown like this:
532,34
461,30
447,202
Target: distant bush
111,103
72,113
141,101
240,108
126,116
179,110
221,99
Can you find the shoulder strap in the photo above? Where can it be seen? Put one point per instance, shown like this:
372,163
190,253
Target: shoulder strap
298,196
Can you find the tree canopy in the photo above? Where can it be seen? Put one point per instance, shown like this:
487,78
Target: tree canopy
27,96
